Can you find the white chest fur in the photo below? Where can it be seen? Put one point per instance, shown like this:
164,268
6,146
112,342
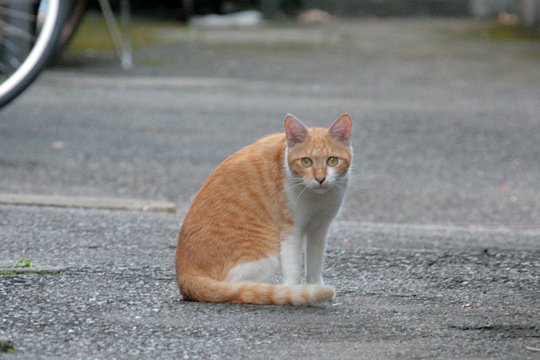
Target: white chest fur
310,207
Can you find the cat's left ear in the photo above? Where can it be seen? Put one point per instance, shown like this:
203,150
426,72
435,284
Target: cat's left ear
341,129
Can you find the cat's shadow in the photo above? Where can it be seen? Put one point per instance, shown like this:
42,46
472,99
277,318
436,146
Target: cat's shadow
322,308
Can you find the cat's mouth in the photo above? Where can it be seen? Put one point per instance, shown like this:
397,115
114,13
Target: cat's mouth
319,189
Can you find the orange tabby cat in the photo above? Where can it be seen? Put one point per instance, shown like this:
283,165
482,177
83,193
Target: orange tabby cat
262,208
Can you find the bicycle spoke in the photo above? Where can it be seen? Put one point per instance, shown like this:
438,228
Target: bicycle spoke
17,14
16,41
12,48
17,32
25,2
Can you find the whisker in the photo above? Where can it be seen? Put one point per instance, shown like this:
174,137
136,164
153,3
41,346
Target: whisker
344,180
295,183
295,186
298,197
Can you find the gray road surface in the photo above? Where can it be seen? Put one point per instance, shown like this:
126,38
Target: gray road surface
436,255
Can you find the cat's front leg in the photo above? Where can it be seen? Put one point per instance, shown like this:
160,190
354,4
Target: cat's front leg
291,257
315,248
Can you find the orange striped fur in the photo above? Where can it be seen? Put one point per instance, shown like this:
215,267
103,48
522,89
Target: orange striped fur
245,210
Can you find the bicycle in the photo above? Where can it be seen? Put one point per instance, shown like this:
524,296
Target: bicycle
32,32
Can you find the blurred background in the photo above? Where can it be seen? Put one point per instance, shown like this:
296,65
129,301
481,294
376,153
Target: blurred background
183,10
504,18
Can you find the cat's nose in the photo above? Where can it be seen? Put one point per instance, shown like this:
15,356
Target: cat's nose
320,179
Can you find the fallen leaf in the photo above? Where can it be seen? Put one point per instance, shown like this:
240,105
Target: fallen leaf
57,145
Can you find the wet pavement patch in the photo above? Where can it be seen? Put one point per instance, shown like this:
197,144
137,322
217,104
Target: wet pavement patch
506,330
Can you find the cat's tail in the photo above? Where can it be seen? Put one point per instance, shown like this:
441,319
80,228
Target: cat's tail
197,288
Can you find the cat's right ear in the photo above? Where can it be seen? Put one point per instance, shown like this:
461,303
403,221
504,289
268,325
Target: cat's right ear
295,131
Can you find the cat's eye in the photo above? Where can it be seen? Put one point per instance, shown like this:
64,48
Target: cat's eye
332,161
306,162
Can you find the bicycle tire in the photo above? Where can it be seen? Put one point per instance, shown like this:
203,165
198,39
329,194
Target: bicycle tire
41,48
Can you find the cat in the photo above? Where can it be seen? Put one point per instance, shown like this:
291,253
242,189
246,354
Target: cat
261,209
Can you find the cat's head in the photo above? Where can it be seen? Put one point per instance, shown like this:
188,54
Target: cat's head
319,157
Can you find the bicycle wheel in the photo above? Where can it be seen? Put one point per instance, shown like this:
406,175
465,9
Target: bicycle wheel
29,31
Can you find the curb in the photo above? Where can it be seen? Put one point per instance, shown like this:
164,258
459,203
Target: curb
87,203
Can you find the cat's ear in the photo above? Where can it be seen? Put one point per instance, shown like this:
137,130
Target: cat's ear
295,131
341,129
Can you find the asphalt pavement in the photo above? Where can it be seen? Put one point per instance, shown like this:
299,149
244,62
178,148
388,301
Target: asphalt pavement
435,255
